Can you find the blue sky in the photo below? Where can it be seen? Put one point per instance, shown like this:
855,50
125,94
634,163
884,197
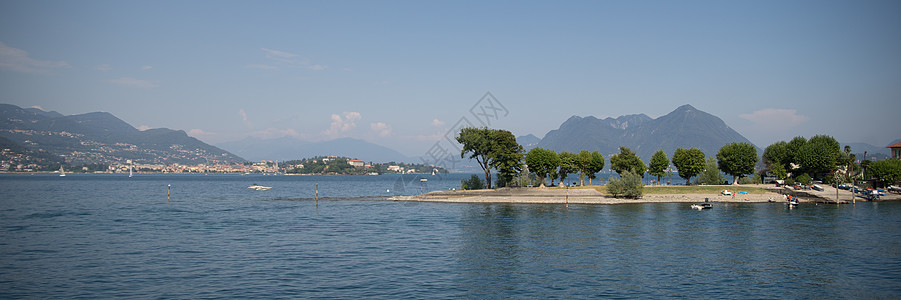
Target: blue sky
400,73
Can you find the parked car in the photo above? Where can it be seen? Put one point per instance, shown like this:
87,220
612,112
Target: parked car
817,187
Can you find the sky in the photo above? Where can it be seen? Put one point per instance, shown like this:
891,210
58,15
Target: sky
403,73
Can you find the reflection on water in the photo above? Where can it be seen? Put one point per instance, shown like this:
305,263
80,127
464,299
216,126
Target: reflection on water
667,250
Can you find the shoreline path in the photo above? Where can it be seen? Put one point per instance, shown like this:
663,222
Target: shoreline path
593,196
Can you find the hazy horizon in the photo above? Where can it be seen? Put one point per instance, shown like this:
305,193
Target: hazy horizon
401,74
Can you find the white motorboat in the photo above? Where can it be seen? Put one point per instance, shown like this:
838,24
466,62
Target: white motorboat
259,187
702,206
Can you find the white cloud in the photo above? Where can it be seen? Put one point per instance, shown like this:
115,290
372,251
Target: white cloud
317,67
135,83
18,60
143,127
261,67
437,123
381,128
146,68
103,68
199,133
340,125
243,115
280,59
277,54
775,118
272,133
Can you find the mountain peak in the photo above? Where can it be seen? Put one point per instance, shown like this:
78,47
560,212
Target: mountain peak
685,108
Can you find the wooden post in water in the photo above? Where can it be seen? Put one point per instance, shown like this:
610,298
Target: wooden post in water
317,193
169,194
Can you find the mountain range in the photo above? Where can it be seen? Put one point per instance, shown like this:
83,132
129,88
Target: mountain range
685,127
100,137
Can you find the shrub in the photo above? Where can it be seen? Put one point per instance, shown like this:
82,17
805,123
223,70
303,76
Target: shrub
789,181
474,183
803,178
628,185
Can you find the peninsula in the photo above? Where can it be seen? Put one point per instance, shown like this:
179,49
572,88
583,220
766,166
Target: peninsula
756,193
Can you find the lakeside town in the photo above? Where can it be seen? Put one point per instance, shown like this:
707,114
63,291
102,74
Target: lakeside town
322,165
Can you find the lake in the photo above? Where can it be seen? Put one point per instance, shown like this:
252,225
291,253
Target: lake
107,235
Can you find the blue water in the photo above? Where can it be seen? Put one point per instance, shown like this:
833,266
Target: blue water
104,236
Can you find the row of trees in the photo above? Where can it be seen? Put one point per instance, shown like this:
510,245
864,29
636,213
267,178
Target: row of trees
497,149
819,157
549,164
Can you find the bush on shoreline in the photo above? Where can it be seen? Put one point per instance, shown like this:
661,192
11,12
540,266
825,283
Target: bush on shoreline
628,185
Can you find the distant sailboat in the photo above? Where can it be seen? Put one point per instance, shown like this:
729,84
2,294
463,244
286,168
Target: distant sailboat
129,171
62,173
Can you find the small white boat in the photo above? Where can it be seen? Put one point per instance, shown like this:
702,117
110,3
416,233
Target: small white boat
62,173
259,187
702,206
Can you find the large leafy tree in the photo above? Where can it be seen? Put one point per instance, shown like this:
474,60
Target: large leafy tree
777,154
567,165
659,163
794,149
888,171
819,155
737,159
588,164
542,162
690,162
626,160
492,148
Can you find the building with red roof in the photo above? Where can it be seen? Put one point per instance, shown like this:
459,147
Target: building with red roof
896,149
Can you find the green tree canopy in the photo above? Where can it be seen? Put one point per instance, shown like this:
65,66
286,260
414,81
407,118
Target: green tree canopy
690,162
567,165
589,163
542,162
737,159
777,154
492,148
779,171
887,171
626,160
794,149
659,163
819,155
508,154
